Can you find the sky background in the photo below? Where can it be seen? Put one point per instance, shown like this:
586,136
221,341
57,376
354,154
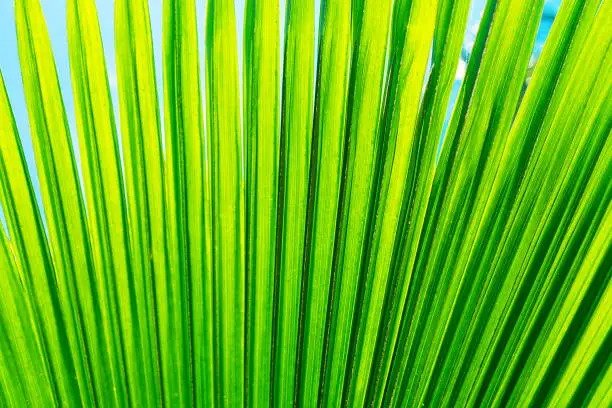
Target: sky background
55,13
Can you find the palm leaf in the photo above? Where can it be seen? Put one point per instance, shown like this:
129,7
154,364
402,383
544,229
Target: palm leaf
300,237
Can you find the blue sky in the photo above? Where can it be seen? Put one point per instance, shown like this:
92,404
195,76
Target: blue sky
55,14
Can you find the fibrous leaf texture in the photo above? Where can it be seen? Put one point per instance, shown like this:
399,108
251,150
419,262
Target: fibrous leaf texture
288,230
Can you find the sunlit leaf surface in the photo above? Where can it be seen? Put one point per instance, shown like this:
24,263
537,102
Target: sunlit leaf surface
288,230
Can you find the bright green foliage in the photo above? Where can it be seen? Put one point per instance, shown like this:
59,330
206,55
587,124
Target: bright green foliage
302,243
105,195
328,132
142,155
294,168
225,160
261,161
187,245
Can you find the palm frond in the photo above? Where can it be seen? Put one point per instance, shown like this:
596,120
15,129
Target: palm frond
295,235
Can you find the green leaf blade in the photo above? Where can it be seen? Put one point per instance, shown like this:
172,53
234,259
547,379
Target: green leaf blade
294,168
225,158
261,144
